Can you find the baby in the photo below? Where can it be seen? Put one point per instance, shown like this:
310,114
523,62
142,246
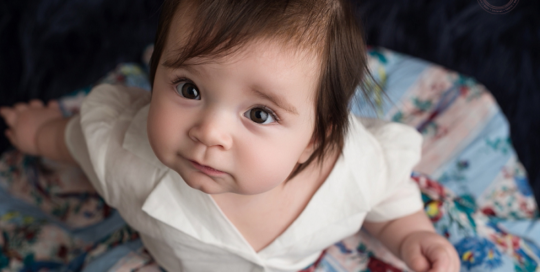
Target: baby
244,157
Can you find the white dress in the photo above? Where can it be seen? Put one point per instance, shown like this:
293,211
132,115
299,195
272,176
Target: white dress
185,230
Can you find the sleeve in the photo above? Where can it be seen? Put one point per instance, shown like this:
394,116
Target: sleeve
398,194
90,135
77,146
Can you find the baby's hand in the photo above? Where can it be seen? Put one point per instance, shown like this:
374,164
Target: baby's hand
427,251
24,122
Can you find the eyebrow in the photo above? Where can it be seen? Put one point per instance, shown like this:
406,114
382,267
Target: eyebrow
277,100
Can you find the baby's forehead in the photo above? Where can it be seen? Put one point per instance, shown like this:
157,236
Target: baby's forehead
188,38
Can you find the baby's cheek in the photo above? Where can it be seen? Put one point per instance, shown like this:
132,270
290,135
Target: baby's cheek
160,135
264,169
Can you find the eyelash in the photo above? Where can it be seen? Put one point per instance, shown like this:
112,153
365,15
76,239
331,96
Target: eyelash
178,79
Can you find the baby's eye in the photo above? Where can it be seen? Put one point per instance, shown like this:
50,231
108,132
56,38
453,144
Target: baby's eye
261,116
188,90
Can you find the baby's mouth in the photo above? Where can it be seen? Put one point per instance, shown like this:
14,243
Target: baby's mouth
206,169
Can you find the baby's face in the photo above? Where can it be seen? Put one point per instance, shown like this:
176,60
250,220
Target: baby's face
238,124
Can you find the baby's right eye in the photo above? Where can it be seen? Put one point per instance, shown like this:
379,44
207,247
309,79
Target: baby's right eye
188,90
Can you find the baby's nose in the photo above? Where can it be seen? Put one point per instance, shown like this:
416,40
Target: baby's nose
213,130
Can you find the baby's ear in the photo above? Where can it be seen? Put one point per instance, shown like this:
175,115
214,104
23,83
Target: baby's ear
308,151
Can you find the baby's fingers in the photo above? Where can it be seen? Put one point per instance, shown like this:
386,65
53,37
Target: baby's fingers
20,107
53,104
442,261
36,103
10,136
3,110
9,115
415,259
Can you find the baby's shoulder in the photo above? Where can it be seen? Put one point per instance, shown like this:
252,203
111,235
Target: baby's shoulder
113,121
393,148
109,101
110,141
387,132
384,177
391,137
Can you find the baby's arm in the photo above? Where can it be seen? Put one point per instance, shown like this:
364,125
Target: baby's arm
37,130
413,239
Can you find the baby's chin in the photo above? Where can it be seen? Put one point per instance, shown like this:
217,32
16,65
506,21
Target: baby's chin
204,183
208,190
221,188
225,184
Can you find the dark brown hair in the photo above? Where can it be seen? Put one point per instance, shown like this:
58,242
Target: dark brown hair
326,27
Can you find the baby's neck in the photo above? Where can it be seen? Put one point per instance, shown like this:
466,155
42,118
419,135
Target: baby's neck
241,202
264,217
314,174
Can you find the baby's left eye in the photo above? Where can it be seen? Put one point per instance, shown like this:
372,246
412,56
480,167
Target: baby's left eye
260,116
188,90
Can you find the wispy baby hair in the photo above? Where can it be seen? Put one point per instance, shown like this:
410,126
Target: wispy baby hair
328,28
